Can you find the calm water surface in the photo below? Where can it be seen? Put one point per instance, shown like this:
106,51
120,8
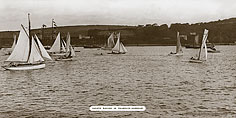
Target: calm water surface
168,86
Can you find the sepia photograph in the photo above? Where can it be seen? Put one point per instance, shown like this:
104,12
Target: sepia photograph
117,59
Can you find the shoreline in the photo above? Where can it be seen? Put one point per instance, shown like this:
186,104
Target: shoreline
142,45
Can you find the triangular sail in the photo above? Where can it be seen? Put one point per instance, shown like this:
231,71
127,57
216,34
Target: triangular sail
117,46
178,45
205,35
110,41
122,48
35,55
56,47
72,51
21,50
42,49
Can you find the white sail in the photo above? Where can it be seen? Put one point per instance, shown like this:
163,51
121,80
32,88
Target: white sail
35,55
122,48
56,47
110,41
68,42
117,46
69,48
63,45
42,49
72,51
21,50
178,46
205,35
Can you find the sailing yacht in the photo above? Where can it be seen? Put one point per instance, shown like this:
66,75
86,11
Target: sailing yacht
110,42
203,46
179,50
119,47
69,51
27,54
58,47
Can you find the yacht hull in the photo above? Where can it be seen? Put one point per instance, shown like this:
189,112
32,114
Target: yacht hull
25,67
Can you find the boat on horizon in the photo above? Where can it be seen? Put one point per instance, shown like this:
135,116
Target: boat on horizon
69,53
58,47
179,50
119,47
110,42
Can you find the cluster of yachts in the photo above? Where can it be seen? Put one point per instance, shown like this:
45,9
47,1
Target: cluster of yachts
201,56
29,53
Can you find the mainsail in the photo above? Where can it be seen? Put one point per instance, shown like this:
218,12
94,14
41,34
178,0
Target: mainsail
205,35
56,47
42,49
69,48
21,50
119,47
178,46
110,41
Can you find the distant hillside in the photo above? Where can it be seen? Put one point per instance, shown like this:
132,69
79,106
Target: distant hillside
221,31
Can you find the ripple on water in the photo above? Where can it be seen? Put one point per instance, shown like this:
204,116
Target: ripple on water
145,76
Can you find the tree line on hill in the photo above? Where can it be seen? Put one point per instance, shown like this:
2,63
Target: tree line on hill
221,31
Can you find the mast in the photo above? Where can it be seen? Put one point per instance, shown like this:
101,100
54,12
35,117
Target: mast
29,25
45,41
177,37
52,28
119,41
30,41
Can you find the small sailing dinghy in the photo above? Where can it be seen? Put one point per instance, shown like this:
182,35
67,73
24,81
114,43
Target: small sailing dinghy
58,47
26,54
110,43
70,53
179,50
203,46
119,47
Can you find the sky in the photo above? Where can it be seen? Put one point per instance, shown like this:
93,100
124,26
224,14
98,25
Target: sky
112,12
